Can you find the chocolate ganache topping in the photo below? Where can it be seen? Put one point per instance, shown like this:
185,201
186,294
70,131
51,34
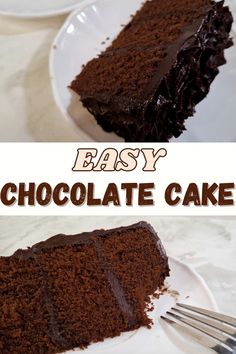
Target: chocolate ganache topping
181,80
86,238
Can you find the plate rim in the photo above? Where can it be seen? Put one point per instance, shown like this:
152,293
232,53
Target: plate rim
85,136
201,281
43,14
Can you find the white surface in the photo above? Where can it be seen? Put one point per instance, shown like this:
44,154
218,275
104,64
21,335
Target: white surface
28,111
82,38
206,244
35,9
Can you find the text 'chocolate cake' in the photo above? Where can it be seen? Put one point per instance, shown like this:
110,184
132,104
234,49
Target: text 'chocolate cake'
147,83
70,291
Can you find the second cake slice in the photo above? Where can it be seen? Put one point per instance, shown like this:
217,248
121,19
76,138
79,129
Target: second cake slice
70,291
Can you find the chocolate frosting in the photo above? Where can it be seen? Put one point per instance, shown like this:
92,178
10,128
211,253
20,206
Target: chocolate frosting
117,289
54,333
86,238
182,81
83,238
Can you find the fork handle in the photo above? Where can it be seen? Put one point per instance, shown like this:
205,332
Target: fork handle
221,350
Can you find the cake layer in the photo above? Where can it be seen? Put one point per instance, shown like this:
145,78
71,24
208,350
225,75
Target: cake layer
161,65
70,291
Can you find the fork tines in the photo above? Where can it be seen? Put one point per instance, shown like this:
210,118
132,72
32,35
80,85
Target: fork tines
211,329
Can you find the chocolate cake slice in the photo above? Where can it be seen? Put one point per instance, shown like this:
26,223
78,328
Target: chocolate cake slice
70,291
161,65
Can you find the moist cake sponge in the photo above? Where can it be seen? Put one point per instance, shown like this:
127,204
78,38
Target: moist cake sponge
70,291
147,83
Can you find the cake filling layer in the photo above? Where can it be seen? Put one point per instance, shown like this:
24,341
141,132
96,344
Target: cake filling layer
70,291
148,82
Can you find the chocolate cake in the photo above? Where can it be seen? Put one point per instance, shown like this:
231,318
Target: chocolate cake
161,65
70,291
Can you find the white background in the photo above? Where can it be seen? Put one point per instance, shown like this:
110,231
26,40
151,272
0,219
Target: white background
52,163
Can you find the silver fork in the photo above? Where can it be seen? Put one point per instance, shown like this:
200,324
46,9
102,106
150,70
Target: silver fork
212,330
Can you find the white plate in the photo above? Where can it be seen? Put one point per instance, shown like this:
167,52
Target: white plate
80,39
38,8
161,339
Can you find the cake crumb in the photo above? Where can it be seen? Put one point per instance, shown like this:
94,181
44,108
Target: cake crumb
168,291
